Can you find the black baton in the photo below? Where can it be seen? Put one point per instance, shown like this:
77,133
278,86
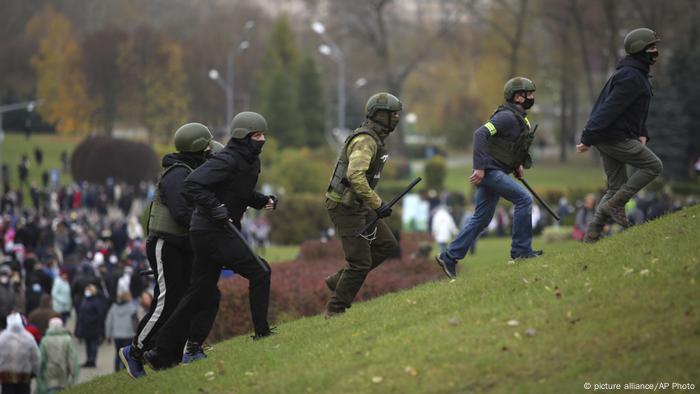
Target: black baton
252,252
390,204
539,199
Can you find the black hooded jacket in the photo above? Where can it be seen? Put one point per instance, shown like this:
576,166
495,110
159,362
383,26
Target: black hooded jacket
622,107
171,189
228,178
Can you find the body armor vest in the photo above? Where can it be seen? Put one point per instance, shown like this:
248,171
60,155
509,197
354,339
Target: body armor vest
511,153
339,189
160,221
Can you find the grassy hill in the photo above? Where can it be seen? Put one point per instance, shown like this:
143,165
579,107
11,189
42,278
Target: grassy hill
626,309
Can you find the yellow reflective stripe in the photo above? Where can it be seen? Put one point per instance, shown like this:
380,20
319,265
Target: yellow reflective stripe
490,127
527,122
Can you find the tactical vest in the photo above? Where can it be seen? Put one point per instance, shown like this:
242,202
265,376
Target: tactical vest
339,189
511,153
160,220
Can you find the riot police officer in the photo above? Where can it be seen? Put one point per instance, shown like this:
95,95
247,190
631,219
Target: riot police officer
617,128
168,248
501,146
351,200
221,190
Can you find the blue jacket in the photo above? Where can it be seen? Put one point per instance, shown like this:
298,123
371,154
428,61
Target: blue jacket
622,107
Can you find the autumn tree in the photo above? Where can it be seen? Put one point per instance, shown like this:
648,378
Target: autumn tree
61,83
101,51
153,91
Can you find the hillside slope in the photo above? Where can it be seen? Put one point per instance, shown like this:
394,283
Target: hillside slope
626,309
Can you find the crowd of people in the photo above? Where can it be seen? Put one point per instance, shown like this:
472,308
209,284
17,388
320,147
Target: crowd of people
78,250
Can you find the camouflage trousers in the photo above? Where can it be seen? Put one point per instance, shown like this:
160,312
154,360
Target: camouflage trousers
361,255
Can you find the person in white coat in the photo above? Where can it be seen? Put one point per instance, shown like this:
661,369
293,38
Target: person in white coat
19,357
443,227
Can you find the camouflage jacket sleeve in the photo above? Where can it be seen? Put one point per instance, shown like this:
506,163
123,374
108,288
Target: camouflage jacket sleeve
361,150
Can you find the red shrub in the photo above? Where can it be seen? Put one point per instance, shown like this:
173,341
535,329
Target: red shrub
298,288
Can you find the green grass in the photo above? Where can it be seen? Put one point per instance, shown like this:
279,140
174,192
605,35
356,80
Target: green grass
280,253
626,309
542,177
15,145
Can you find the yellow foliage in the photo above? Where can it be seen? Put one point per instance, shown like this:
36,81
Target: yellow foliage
155,92
61,83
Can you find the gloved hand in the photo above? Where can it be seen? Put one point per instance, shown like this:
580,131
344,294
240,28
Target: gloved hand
383,211
219,214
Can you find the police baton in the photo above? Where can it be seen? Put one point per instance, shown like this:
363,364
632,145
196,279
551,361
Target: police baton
390,204
264,266
538,198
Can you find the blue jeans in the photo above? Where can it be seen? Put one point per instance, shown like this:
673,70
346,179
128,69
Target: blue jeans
496,184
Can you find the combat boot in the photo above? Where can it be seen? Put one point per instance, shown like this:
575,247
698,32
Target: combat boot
331,282
615,208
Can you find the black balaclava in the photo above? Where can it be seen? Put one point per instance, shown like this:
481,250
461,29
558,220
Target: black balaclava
384,119
647,57
255,146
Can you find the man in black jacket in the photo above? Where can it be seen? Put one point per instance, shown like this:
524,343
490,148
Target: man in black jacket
617,128
168,249
221,189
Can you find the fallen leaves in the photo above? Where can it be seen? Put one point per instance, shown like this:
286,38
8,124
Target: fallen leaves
410,370
513,322
377,379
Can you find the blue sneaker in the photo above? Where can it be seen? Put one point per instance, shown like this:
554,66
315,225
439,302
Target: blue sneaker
448,267
192,357
133,367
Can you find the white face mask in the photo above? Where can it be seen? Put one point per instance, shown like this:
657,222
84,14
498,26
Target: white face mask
88,294
4,279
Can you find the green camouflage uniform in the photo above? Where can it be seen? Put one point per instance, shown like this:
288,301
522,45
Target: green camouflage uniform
351,202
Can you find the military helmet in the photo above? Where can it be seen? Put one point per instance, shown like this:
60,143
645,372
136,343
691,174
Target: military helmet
215,146
245,123
517,84
638,39
382,101
192,137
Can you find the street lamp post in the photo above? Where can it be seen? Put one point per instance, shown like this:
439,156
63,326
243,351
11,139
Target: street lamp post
29,106
332,50
241,47
228,91
228,83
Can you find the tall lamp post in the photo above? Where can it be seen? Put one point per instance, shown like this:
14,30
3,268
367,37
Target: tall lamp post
27,105
228,84
332,50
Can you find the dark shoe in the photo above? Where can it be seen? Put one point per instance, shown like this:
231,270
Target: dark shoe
154,360
88,364
193,352
330,283
448,267
133,366
263,335
616,210
331,314
531,255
